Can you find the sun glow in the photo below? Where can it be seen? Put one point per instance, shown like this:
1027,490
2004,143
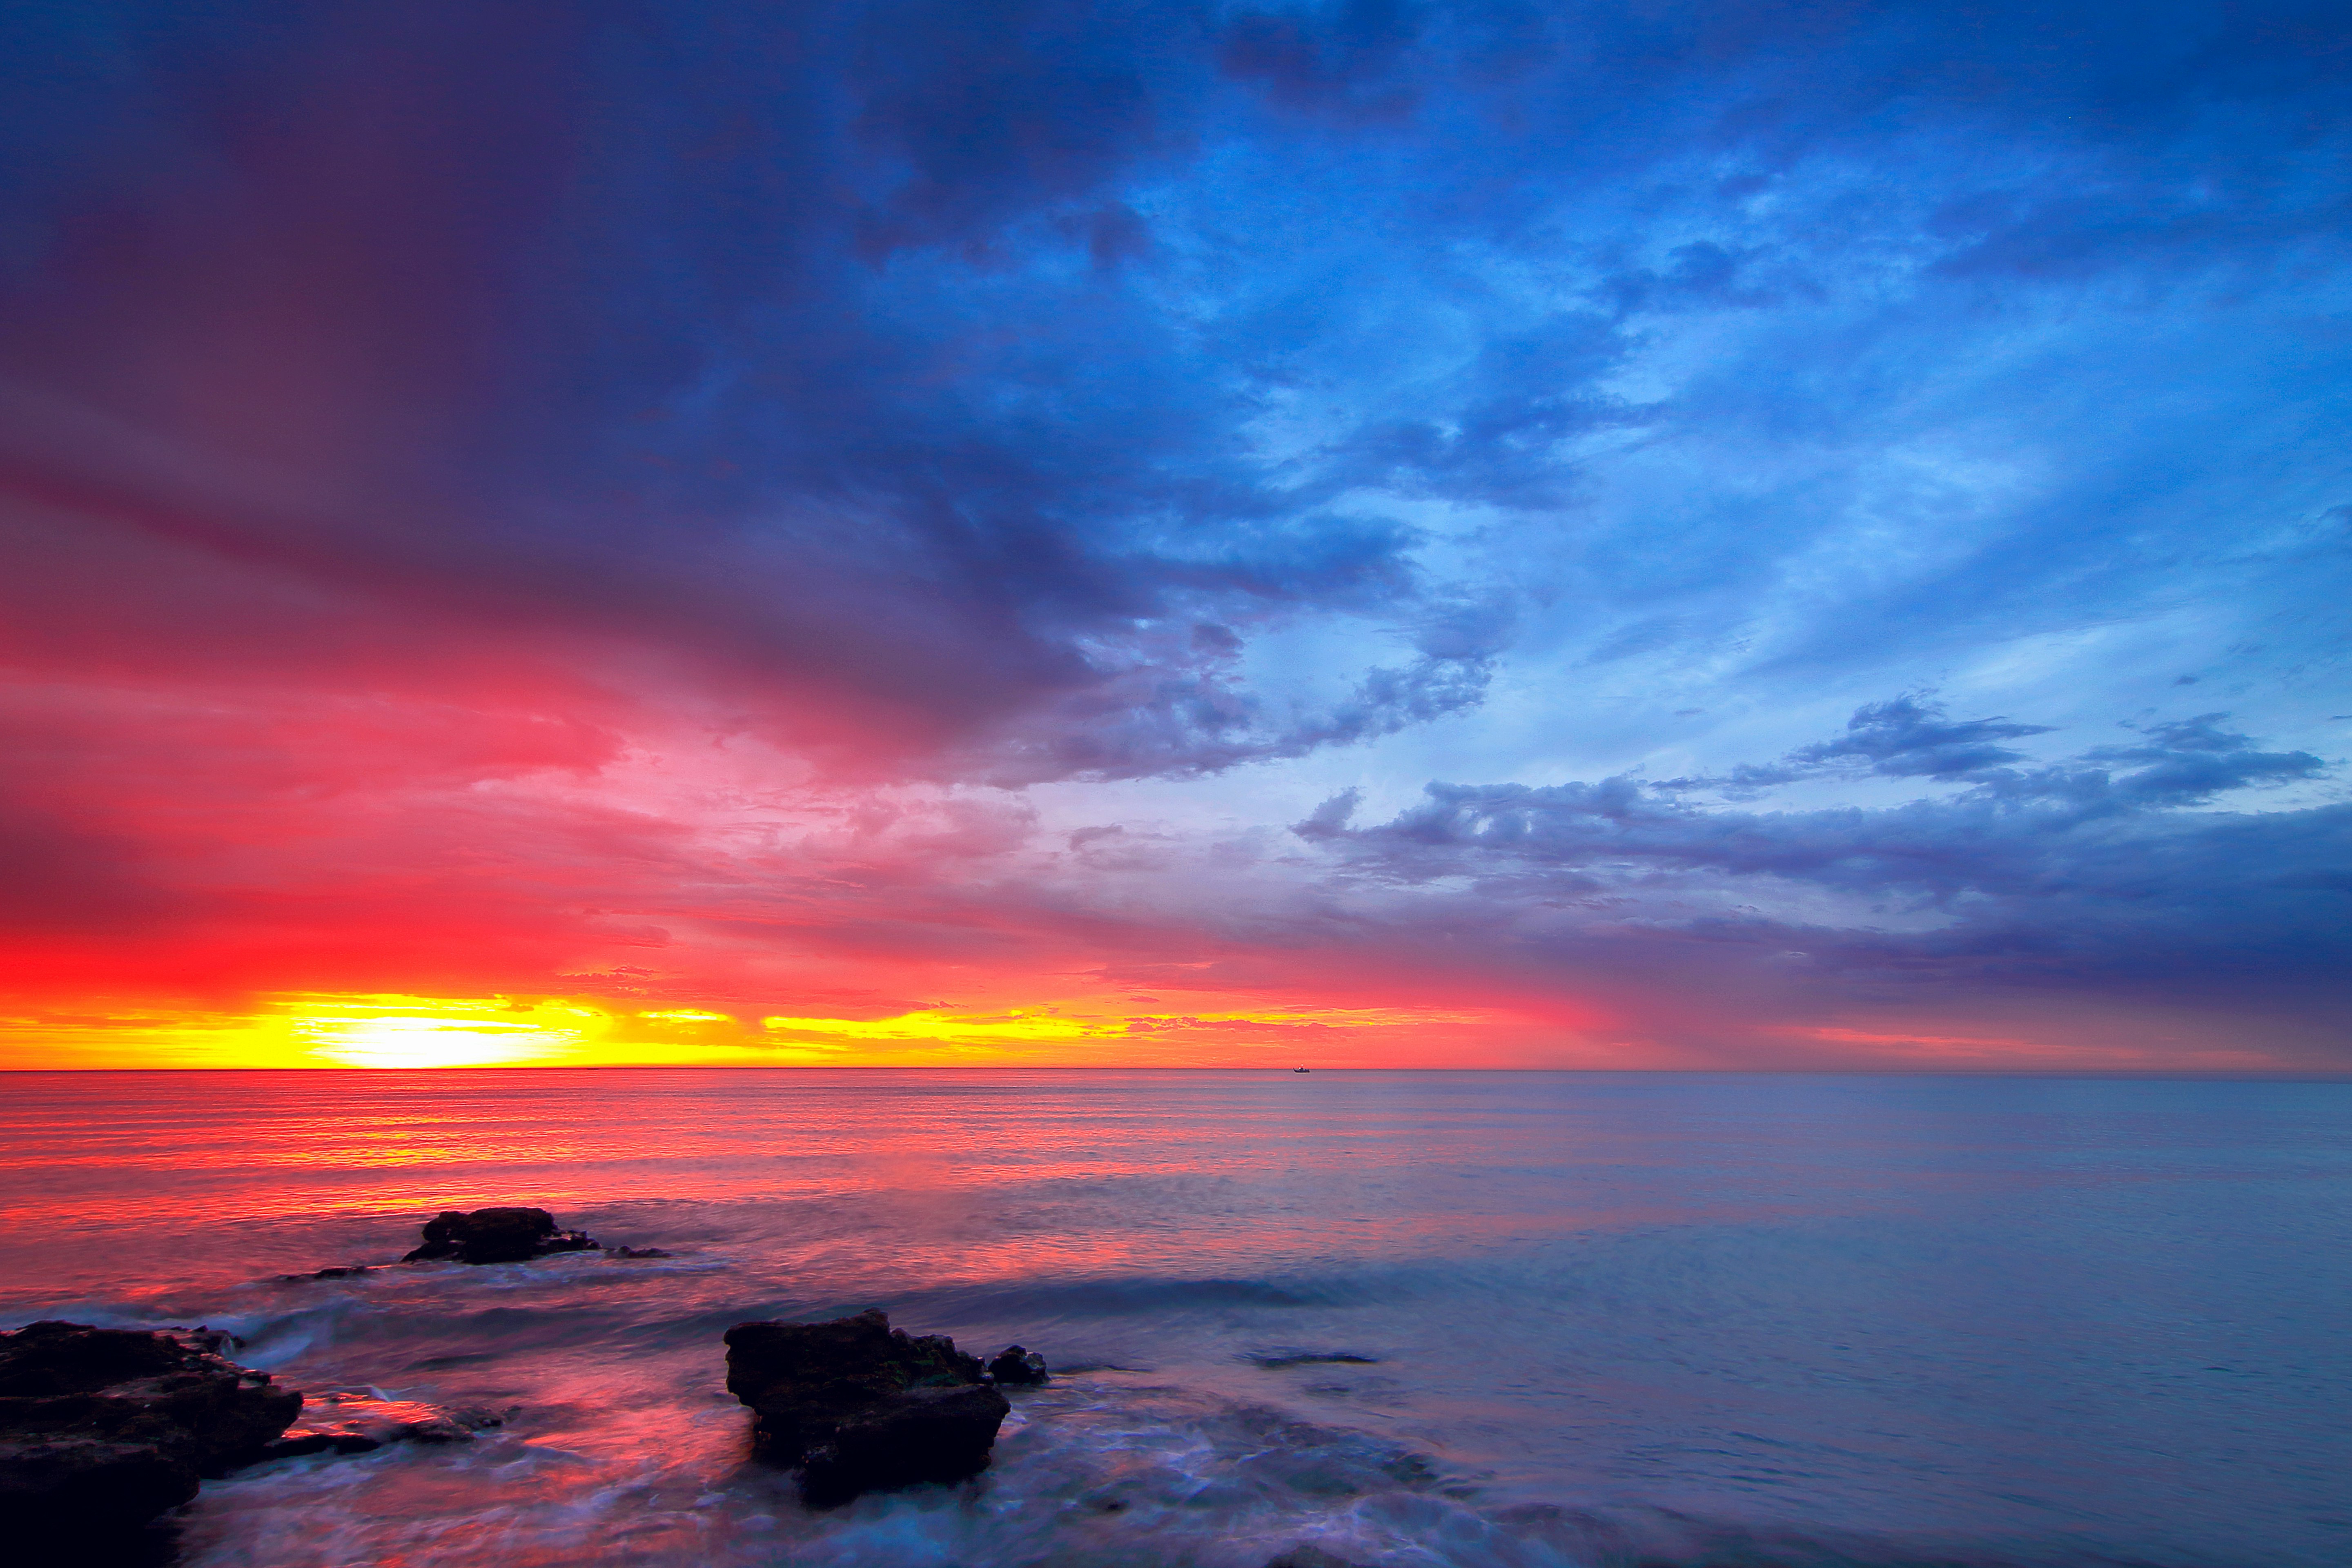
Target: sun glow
407,1040
319,1029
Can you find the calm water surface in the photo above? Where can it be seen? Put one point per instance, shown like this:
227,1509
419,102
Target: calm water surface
1602,1318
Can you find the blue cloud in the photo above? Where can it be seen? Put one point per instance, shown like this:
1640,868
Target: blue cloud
1903,737
2091,874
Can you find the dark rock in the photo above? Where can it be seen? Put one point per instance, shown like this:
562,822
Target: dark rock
921,1435
497,1235
859,1404
342,1271
103,1429
343,1422
1019,1367
637,1252
1309,1557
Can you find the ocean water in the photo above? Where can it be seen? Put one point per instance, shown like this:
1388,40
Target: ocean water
1412,1318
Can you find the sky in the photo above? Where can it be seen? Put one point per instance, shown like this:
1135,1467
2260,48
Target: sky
1802,536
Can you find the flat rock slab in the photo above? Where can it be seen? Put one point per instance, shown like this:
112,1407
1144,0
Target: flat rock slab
343,1422
861,1405
103,1429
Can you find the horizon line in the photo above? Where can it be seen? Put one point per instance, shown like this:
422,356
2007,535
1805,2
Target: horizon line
2141,1074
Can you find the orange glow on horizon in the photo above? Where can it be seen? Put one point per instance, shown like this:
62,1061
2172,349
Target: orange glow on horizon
397,1031
1252,1029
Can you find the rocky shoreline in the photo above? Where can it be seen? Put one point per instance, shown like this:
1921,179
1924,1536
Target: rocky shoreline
104,1431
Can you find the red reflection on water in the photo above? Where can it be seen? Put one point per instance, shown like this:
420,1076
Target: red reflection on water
1108,1172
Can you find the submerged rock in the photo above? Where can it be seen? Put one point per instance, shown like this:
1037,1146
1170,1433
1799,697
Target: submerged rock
636,1252
103,1429
343,1421
497,1235
1308,1556
1018,1366
861,1405
339,1271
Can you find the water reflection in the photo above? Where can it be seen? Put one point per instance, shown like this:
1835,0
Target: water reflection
2017,1311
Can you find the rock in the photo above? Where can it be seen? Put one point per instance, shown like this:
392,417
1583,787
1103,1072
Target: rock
342,1271
921,1435
1309,1557
1019,1367
859,1404
1274,1361
636,1252
343,1422
497,1235
103,1429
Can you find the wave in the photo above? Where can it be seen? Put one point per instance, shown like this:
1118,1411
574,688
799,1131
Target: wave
1275,1359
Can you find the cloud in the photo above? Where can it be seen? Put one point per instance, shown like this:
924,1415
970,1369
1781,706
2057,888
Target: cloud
2189,760
2091,874
864,356
1342,64
481,489
1903,737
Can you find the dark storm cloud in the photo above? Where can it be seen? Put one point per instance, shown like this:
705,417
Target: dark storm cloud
1343,61
732,330
915,361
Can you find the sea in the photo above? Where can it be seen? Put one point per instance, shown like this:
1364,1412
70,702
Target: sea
1672,1321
